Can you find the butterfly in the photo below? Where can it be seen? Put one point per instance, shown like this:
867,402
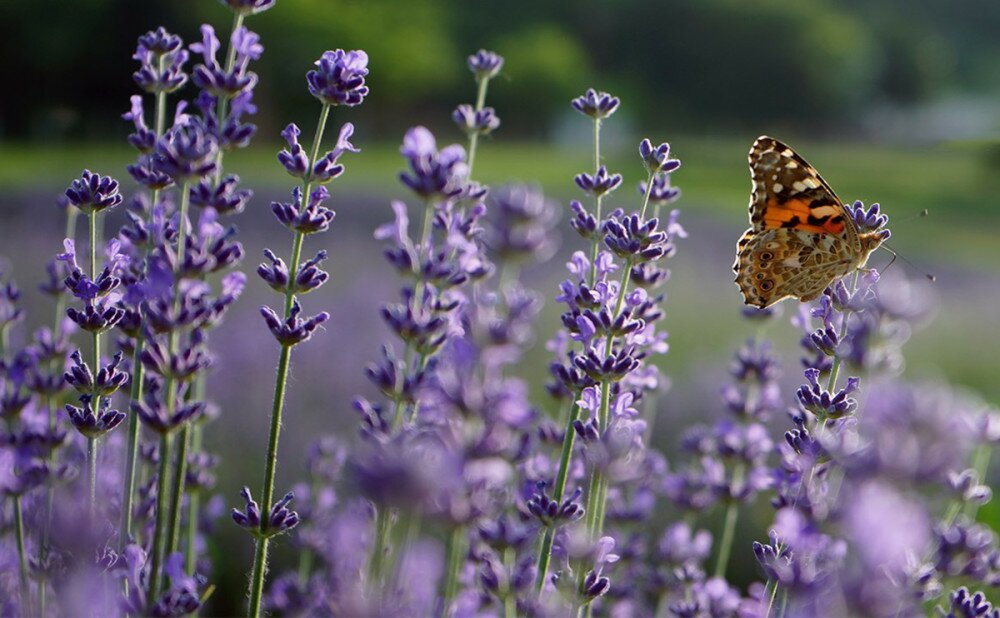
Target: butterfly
801,237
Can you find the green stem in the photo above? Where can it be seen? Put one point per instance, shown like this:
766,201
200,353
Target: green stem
426,228
221,107
128,486
96,367
22,561
595,243
194,506
510,596
159,536
260,554
91,476
545,552
981,464
377,558
728,530
177,491
456,557
257,576
483,83
277,404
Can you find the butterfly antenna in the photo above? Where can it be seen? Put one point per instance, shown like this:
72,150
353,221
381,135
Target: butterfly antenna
895,254
923,213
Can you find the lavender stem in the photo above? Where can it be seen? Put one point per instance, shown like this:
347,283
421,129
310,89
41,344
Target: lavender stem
596,243
180,463
159,539
96,364
482,83
22,561
271,463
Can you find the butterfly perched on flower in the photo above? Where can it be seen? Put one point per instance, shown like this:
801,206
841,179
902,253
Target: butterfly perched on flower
801,237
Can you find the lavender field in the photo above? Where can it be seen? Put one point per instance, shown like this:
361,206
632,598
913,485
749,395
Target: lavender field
310,365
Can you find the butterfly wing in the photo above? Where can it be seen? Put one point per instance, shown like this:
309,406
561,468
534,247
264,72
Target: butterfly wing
800,238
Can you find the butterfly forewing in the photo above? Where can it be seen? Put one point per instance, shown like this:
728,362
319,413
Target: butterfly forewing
801,237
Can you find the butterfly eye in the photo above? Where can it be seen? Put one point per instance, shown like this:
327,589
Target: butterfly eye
767,285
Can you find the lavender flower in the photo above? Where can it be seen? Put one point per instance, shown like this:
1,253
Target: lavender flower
597,105
433,174
161,59
485,64
248,7
339,78
470,120
93,193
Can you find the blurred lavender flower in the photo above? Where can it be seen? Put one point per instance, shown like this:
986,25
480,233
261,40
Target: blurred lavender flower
485,64
248,7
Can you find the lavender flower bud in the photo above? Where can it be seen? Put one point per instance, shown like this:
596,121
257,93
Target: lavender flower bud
966,485
96,317
469,120
153,413
965,604
485,64
92,193
662,192
156,49
293,330
248,7
583,222
212,77
657,159
308,219
225,197
294,158
326,168
433,174
91,423
187,152
551,513
339,78
597,105
600,183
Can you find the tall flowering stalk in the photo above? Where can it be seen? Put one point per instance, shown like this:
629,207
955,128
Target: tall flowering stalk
479,120
161,56
569,381
339,79
92,194
616,330
437,267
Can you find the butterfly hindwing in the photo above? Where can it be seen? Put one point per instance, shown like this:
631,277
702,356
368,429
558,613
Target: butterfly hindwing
780,263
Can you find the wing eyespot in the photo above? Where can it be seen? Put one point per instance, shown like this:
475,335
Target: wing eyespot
767,286
766,256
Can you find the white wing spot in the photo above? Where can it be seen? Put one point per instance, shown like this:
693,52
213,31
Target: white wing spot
812,183
799,186
791,165
778,187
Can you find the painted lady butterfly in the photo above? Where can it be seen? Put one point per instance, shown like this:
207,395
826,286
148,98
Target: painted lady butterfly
801,238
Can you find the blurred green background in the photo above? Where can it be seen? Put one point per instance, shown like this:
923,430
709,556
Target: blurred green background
893,101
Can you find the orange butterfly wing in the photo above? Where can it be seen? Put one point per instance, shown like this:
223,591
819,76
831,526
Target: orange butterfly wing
801,237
